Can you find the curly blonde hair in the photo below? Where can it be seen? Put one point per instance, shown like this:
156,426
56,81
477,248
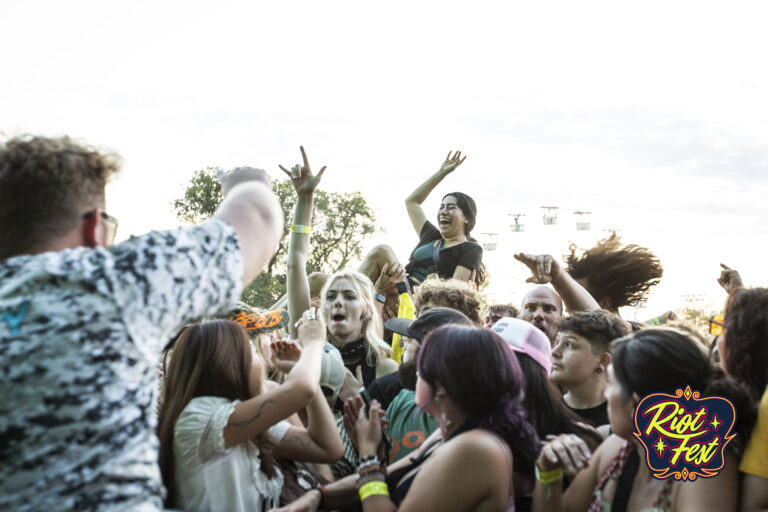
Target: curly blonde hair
449,293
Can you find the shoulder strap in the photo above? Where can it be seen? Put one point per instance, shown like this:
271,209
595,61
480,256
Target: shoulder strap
436,254
624,485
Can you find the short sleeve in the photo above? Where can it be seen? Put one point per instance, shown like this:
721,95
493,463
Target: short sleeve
429,233
278,430
198,435
755,461
164,279
470,257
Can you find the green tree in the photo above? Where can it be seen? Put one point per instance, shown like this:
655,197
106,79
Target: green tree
340,223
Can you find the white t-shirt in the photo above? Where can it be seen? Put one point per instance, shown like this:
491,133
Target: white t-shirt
210,477
81,332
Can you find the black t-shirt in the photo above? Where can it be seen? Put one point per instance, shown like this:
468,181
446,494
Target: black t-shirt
385,389
467,254
595,416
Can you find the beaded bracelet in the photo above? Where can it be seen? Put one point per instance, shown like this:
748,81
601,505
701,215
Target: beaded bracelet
366,465
369,457
373,489
299,228
371,476
548,477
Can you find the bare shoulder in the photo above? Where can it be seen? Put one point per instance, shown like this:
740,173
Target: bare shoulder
606,452
385,366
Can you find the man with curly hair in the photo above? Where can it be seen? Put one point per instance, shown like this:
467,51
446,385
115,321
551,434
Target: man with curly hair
448,293
83,321
616,275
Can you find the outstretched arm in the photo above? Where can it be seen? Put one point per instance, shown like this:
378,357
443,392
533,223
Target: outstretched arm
418,196
546,269
252,209
296,278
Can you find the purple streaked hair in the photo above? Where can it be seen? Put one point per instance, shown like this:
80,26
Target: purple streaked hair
478,373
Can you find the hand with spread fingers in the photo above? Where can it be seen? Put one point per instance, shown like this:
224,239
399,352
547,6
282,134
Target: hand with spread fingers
239,175
729,279
544,267
566,451
452,162
304,182
285,354
351,384
388,279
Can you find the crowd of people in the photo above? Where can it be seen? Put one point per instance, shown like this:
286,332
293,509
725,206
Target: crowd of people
133,379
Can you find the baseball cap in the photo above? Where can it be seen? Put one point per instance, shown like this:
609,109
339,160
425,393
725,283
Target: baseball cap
427,322
331,371
256,321
526,338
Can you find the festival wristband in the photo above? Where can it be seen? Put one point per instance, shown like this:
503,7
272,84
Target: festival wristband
373,489
548,477
299,228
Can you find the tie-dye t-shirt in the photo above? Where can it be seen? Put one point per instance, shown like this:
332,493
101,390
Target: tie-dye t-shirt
81,332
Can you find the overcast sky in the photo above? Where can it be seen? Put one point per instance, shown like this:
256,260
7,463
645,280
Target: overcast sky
652,116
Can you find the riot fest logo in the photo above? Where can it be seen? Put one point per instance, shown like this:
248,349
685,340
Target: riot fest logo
684,435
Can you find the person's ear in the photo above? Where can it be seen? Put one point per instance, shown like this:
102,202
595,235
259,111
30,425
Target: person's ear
92,229
604,360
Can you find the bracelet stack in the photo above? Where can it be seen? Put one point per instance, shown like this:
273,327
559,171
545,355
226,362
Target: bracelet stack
370,479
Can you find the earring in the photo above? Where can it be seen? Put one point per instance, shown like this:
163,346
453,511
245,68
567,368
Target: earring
599,370
436,400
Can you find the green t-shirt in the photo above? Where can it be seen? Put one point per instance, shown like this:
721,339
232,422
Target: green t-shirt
408,425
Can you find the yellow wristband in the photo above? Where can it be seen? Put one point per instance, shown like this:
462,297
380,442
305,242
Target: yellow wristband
298,228
373,489
548,477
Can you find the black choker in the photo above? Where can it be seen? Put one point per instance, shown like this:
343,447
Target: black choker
352,351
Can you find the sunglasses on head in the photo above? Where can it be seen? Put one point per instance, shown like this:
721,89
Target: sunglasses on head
716,325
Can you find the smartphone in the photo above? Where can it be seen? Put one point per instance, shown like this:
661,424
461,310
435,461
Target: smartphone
367,399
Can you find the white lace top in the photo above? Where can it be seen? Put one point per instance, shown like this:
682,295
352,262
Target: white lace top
211,477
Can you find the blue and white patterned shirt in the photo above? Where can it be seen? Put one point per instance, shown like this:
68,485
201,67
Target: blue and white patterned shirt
81,332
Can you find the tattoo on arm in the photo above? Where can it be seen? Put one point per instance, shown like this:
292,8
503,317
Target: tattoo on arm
253,418
295,439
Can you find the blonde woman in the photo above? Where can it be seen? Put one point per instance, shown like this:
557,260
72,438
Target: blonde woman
347,298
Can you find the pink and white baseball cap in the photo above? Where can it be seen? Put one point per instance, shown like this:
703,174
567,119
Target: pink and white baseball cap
524,337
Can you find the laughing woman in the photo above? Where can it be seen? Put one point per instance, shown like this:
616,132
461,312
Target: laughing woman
448,249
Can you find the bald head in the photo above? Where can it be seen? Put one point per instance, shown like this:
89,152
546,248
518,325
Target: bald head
543,308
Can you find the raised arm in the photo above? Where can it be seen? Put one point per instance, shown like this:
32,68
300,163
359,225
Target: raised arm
546,269
254,416
418,196
304,183
252,209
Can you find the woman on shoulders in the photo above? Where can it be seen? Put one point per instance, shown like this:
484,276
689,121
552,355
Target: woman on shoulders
447,249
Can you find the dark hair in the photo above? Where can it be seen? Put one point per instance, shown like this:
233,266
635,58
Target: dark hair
598,327
662,359
623,274
46,185
475,368
546,409
209,359
503,310
468,207
746,339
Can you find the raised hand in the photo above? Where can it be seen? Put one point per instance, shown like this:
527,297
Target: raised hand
369,430
388,279
452,162
729,279
544,267
239,175
304,182
311,327
285,354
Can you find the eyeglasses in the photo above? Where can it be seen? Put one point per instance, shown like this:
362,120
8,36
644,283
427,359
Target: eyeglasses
716,325
111,224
